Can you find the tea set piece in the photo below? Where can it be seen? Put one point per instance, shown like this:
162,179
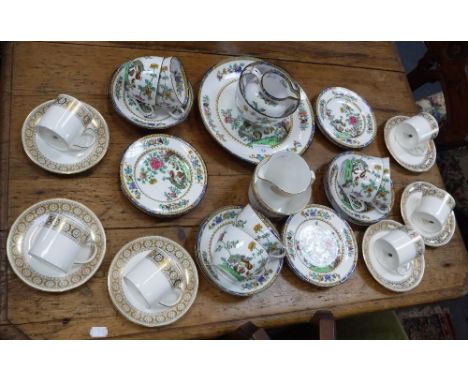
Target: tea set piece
254,123
65,135
345,118
321,247
410,141
394,255
429,211
251,270
163,175
152,281
281,185
56,245
359,187
152,92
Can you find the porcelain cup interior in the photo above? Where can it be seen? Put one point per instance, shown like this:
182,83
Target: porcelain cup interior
157,279
434,210
66,125
413,133
238,256
255,226
59,242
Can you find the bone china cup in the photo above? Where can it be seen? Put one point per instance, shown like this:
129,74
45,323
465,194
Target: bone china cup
416,131
434,210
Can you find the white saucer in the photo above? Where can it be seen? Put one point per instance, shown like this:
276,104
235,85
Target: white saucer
210,230
216,101
163,175
322,248
410,200
128,303
345,118
411,161
63,162
128,108
391,280
37,274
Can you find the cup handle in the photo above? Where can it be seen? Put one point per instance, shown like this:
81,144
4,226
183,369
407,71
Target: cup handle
90,132
180,287
93,256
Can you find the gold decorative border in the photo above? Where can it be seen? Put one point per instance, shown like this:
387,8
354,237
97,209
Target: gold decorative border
67,227
76,107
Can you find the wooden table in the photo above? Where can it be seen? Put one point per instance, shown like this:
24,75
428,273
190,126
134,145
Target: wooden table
35,72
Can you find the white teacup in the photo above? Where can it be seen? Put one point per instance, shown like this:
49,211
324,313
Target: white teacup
157,279
413,133
59,242
434,210
66,125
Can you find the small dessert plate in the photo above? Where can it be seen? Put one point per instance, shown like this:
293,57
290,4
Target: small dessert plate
129,303
410,200
63,162
391,280
249,142
37,274
163,175
345,118
416,162
340,201
135,112
208,236
321,247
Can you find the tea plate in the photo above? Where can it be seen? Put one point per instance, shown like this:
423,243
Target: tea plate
216,100
126,300
410,200
321,247
132,110
345,118
411,161
63,162
210,231
37,274
391,280
340,201
163,175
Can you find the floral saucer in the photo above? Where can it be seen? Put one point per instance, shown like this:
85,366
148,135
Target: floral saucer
391,280
321,247
246,141
208,235
345,118
63,162
35,273
410,200
411,161
340,201
125,299
163,175
132,110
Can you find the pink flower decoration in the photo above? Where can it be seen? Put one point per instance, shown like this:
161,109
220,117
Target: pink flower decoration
352,120
156,164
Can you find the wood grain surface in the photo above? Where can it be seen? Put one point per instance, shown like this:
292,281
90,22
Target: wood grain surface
35,72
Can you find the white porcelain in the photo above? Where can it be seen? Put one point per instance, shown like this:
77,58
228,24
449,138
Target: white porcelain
158,279
322,248
41,275
390,279
250,142
258,228
413,133
66,125
131,304
208,236
434,210
345,118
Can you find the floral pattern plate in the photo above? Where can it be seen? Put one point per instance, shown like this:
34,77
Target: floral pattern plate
321,247
246,141
163,175
415,163
410,200
36,274
390,280
63,162
129,305
345,118
340,201
132,111
208,235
